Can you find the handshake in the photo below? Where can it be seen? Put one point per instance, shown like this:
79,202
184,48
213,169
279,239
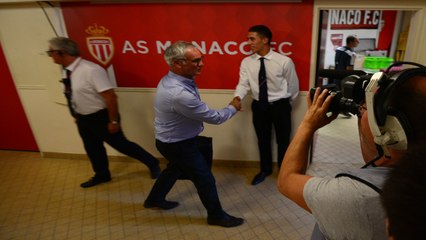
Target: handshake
236,102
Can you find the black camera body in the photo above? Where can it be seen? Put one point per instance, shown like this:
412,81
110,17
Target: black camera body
347,100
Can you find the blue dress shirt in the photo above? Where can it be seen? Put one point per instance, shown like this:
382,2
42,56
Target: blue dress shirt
179,111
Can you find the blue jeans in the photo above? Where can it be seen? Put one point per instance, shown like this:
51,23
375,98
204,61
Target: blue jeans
186,158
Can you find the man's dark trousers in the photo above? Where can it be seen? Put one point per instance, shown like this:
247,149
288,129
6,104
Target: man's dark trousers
278,115
186,158
93,129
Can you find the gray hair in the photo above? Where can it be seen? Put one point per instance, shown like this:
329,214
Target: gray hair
66,45
176,51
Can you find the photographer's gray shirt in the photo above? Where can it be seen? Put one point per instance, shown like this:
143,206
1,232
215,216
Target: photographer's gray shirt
345,208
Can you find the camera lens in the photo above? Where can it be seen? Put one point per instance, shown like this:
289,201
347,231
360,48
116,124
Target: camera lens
339,104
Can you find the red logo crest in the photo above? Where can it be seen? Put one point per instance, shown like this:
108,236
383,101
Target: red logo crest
100,46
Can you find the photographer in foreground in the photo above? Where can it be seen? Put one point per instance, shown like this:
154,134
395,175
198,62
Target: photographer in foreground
348,206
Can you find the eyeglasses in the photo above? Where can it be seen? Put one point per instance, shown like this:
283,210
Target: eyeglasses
197,61
50,52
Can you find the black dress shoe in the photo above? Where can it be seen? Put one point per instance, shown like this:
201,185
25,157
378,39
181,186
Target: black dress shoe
166,205
95,181
155,171
259,178
227,221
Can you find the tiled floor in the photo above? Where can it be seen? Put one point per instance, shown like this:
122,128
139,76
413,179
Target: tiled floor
40,198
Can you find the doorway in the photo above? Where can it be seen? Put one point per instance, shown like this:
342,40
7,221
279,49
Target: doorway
382,36
15,130
382,33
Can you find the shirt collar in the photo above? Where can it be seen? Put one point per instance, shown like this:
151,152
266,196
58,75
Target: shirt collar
181,78
267,56
74,64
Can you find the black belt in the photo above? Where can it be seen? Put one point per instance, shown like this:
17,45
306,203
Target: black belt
92,115
282,100
181,141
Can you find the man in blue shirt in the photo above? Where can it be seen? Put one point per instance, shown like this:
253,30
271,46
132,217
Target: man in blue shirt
345,57
179,117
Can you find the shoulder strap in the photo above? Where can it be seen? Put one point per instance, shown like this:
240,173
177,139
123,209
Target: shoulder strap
374,187
374,177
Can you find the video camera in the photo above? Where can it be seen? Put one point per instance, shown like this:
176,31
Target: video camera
352,93
389,125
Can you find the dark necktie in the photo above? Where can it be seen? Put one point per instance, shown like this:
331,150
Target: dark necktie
68,92
263,88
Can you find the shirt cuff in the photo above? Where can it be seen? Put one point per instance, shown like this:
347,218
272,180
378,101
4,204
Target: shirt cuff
233,109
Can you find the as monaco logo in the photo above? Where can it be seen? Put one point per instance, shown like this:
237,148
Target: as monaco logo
100,46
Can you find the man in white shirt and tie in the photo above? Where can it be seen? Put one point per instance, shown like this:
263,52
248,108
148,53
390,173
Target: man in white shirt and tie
271,97
94,106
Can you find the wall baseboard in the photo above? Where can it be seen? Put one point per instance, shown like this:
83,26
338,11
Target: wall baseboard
216,162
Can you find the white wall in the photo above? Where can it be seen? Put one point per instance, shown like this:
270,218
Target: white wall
24,32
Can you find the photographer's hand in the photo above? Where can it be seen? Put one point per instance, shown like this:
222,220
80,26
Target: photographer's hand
316,115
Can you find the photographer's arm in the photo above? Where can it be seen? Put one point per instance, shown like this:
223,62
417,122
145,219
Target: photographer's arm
292,177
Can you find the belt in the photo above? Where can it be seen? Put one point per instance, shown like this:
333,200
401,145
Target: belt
92,115
181,141
282,100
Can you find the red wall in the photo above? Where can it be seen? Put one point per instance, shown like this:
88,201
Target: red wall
385,38
131,37
15,131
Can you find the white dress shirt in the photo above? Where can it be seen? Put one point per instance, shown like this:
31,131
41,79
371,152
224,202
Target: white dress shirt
88,80
282,80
